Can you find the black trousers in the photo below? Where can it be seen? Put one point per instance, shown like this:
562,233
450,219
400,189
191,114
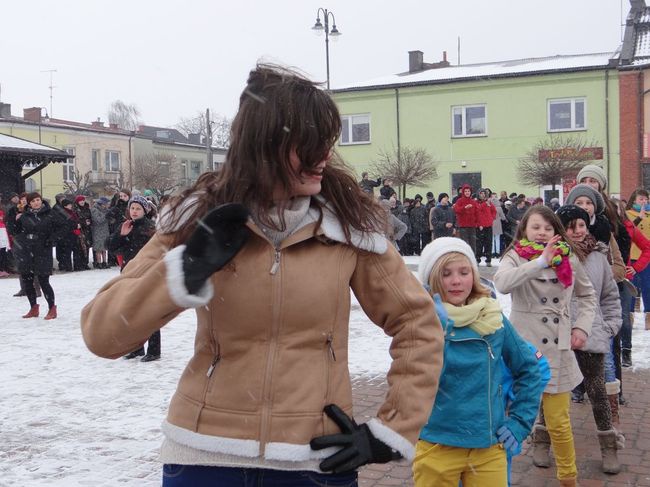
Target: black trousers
153,344
484,244
44,280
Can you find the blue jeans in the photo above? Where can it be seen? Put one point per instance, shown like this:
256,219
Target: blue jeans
610,366
627,306
204,476
642,282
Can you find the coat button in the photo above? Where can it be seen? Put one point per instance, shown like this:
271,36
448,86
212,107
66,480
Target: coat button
556,320
544,300
555,341
545,319
556,300
544,341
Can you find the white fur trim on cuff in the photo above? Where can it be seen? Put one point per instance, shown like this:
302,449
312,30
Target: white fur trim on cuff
176,282
216,444
392,439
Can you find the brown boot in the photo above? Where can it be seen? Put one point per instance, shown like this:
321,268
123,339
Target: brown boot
33,312
541,446
609,444
647,321
572,482
613,389
51,314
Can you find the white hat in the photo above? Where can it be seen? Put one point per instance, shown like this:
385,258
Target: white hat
439,247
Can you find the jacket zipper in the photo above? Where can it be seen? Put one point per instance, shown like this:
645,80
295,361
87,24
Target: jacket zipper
215,361
489,348
275,325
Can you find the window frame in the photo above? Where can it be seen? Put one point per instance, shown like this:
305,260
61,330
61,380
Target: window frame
464,133
109,168
351,131
69,165
95,163
572,101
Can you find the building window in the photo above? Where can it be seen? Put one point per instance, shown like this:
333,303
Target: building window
567,114
68,165
355,129
112,161
95,160
164,168
195,169
469,121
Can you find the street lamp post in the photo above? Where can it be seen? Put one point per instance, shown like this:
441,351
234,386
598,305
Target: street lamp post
334,32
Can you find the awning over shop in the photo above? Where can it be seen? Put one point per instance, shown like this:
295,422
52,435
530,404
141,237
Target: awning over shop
17,151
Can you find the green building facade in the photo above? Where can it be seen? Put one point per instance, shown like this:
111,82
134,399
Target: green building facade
477,121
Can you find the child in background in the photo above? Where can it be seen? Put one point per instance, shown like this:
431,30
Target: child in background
638,211
469,444
127,241
542,274
607,323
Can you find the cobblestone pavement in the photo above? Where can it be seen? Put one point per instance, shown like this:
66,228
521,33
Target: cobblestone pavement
635,458
635,423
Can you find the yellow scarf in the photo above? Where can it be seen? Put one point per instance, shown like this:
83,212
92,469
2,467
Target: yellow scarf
483,315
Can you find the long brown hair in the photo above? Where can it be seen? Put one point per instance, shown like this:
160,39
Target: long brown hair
279,111
547,214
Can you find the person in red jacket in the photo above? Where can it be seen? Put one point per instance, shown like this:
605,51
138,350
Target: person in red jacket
485,215
466,209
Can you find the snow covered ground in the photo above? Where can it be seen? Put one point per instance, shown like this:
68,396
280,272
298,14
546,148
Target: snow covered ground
68,418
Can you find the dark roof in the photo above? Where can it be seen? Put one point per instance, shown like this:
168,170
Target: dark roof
15,149
635,50
164,134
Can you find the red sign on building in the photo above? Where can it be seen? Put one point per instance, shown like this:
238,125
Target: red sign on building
592,153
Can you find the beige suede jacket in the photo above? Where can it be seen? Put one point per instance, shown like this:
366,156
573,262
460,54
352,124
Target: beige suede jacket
271,347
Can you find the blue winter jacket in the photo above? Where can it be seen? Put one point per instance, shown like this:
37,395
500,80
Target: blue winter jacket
469,405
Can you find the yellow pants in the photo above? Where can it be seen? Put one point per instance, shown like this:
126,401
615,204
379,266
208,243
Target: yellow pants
558,425
437,465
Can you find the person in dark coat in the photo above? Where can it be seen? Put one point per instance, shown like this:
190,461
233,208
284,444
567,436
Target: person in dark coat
116,216
69,248
127,241
419,225
86,239
36,232
443,218
368,185
387,190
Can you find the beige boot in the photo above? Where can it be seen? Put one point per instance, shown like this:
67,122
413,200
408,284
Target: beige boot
541,446
647,321
613,389
609,444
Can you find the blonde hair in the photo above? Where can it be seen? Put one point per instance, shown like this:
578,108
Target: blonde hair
435,278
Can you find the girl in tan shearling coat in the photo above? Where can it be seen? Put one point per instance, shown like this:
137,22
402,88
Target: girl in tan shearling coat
541,273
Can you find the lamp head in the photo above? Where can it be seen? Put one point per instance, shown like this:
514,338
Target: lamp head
318,27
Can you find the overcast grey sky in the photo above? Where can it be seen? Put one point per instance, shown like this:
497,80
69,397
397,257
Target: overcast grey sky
175,58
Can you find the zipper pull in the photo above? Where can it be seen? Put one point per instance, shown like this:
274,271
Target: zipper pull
276,262
214,365
330,339
490,350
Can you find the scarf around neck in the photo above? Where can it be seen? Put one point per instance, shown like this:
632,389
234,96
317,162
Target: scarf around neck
588,245
560,261
482,315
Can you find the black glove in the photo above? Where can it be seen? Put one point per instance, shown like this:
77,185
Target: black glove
359,444
216,240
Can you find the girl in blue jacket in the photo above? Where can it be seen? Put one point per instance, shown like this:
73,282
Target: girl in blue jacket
468,433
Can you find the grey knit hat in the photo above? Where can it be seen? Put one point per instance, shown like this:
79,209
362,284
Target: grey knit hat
595,172
586,190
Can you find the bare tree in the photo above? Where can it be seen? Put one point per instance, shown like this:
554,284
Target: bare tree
126,116
80,184
154,171
551,160
406,167
196,125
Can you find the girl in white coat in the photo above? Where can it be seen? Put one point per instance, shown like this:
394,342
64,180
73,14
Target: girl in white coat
541,272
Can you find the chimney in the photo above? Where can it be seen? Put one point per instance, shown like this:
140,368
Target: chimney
5,110
416,59
97,123
444,56
32,114
194,138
